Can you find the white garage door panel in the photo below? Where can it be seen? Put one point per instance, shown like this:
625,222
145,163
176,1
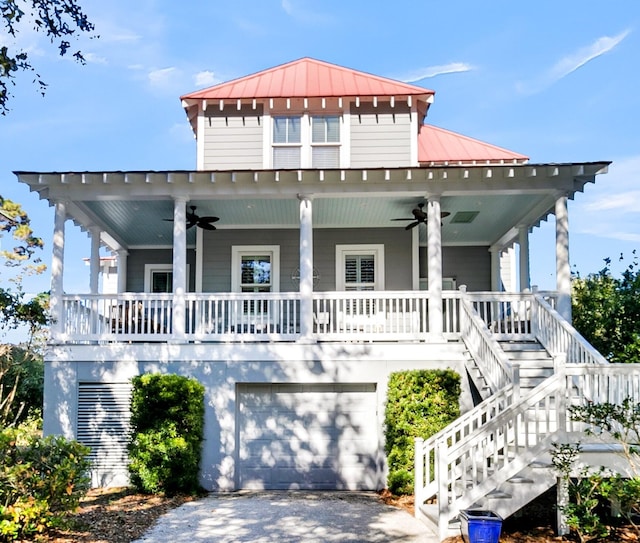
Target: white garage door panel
322,436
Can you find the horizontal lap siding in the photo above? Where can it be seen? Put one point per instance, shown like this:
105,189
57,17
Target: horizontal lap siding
233,139
380,136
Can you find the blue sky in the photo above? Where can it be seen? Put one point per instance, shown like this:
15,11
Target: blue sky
557,81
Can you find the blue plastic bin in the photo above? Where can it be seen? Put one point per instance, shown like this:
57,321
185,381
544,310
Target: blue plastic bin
480,526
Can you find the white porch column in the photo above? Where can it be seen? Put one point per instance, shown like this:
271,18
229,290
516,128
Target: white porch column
563,268
179,267
306,268
496,283
94,261
57,270
434,256
523,241
122,270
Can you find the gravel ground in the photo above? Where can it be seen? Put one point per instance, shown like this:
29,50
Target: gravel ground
287,517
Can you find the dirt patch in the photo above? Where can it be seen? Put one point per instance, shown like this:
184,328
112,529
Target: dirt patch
114,515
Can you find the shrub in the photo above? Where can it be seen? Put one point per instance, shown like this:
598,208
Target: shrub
167,420
41,480
419,404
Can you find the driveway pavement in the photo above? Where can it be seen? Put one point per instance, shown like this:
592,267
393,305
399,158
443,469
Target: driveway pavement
287,517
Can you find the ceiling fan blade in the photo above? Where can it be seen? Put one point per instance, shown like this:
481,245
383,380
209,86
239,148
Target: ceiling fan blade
404,219
444,214
206,226
412,225
208,219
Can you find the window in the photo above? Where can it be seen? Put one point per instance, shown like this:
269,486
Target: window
304,141
255,269
325,142
286,142
158,278
360,267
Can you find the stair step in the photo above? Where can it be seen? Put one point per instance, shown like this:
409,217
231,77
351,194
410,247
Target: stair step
519,480
498,495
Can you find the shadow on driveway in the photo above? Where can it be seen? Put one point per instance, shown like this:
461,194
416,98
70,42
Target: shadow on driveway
282,517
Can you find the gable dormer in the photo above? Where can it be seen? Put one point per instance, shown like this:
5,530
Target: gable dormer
307,114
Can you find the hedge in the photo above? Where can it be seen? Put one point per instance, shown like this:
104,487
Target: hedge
167,420
419,404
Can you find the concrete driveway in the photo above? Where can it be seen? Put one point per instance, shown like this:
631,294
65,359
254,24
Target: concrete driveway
283,517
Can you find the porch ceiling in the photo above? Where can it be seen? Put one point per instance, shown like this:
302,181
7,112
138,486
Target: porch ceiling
130,207
141,223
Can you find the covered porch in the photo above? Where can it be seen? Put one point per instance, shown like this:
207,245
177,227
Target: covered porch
488,207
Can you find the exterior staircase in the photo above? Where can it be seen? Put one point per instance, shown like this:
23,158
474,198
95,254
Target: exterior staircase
498,455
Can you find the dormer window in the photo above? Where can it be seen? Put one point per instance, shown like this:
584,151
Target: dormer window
306,141
325,142
287,142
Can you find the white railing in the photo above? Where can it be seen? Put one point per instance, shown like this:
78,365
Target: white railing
485,350
505,313
265,316
426,474
559,337
90,317
368,315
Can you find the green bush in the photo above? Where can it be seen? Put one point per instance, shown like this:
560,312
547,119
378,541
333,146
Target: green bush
419,404
41,480
167,420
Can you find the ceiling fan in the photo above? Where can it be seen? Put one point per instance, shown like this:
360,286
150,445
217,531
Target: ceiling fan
202,222
419,216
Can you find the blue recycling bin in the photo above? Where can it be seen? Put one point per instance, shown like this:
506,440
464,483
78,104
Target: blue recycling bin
479,526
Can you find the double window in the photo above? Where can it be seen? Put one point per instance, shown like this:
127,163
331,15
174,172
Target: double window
306,141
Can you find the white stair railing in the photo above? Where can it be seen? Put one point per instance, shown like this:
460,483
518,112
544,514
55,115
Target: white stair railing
559,337
485,350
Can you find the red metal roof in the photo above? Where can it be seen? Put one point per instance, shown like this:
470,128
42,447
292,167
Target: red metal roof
307,78
437,145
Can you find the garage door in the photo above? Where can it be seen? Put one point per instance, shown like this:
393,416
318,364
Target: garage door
322,436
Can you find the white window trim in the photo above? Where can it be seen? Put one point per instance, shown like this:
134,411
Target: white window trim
306,145
150,268
377,249
238,251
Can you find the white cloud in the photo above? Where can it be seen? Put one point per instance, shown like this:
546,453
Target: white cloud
432,71
162,77
298,10
611,208
624,202
92,58
570,63
205,78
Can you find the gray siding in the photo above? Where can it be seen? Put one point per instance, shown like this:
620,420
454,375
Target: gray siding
138,258
232,138
217,255
380,136
469,266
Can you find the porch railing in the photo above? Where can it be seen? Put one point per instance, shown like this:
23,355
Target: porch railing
249,316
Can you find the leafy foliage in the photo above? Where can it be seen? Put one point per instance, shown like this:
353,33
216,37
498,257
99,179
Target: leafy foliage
21,384
59,20
419,404
15,221
606,311
592,485
41,480
167,419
